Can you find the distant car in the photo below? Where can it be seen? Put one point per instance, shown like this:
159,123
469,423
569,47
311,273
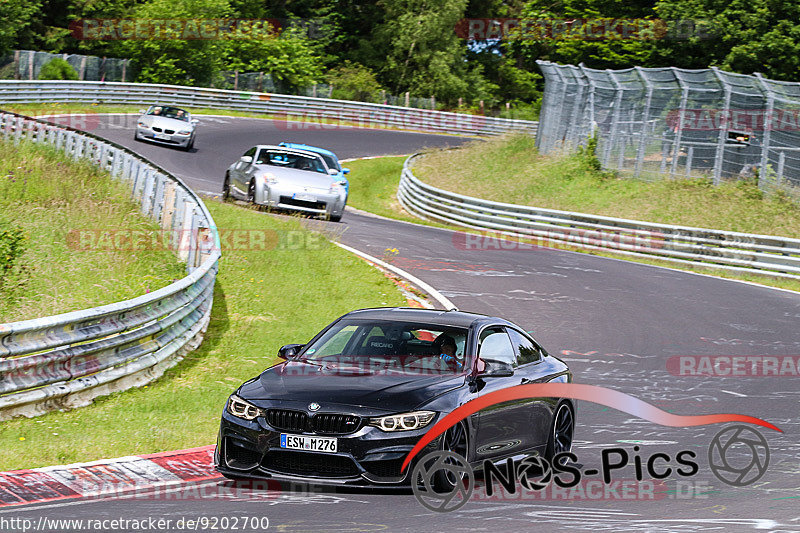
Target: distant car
348,406
329,157
166,125
287,178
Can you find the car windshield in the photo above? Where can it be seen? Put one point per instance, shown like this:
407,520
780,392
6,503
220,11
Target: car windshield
290,160
169,112
403,346
331,162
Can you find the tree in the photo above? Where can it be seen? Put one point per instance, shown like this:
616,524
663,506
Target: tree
423,53
15,17
743,36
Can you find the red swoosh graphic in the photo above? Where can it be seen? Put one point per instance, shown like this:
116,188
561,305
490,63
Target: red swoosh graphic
590,393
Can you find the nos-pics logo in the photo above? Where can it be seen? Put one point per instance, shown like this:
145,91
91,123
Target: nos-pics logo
443,480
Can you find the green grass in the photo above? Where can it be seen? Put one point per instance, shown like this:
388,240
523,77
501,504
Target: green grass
509,169
51,198
262,300
374,187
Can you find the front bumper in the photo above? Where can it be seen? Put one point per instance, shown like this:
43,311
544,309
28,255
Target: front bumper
174,139
366,457
316,201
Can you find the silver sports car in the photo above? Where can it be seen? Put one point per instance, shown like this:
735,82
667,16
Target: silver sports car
286,178
166,125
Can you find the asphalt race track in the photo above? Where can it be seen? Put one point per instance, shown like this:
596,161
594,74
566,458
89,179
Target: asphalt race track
616,323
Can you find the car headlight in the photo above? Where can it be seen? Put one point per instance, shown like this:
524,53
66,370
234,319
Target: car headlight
403,421
185,132
142,125
242,409
336,187
269,178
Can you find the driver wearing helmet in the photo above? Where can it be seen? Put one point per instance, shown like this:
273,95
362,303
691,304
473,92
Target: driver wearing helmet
445,345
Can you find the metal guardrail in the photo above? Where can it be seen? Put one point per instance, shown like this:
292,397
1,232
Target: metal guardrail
775,256
328,112
66,360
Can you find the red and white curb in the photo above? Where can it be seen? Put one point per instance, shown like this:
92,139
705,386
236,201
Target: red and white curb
107,477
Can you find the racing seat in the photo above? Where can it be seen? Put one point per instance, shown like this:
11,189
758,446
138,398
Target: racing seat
379,345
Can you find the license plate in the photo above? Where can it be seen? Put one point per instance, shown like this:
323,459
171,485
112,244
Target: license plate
162,136
311,444
304,197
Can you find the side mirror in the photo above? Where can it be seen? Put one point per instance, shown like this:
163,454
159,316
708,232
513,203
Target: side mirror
142,111
246,159
288,351
195,121
333,171
345,170
496,369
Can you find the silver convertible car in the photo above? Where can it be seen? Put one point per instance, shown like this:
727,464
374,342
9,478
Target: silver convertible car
166,125
286,178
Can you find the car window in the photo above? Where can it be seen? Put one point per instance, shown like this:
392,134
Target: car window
250,153
496,346
331,162
527,351
336,343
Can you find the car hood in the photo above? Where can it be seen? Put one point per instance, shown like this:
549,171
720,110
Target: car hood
167,123
306,382
298,178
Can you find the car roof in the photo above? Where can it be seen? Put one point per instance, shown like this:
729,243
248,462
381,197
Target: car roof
308,148
163,106
290,149
431,316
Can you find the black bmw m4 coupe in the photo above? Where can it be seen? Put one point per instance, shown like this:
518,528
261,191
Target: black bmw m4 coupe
348,406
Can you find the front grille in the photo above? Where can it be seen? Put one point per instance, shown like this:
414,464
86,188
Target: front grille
159,130
286,420
169,132
239,457
325,423
309,464
288,200
333,423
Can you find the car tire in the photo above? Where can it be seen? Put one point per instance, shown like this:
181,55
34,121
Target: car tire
226,188
453,440
251,192
336,218
562,431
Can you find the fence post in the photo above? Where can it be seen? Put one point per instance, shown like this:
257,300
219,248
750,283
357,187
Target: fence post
719,156
637,170
676,147
612,137
768,118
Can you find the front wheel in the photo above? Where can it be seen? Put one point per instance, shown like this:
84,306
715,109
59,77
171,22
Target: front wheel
454,440
336,218
561,431
251,192
226,188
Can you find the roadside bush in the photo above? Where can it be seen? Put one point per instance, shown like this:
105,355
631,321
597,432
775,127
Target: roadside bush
12,246
353,81
58,69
